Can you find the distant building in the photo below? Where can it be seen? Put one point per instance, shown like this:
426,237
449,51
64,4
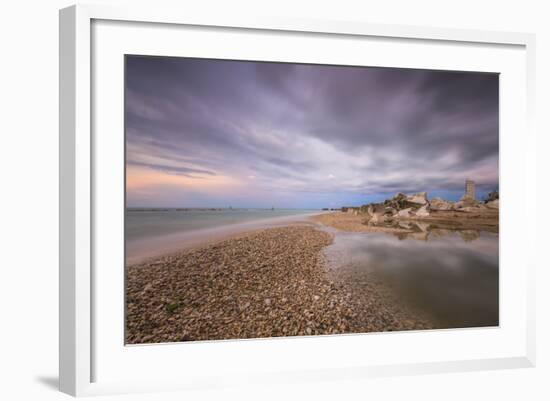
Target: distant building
470,190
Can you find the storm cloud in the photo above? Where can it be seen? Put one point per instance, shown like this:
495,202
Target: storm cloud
203,132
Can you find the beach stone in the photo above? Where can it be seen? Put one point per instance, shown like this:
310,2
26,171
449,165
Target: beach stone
424,211
389,211
493,204
420,198
377,219
440,204
404,212
467,201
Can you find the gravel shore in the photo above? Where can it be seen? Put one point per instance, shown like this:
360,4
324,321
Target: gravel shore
264,284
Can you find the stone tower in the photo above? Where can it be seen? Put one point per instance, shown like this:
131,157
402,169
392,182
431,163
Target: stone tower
470,190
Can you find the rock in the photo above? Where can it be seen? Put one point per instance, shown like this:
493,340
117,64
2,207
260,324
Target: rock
492,204
440,204
492,196
404,212
376,218
389,211
467,201
400,195
459,205
420,198
424,211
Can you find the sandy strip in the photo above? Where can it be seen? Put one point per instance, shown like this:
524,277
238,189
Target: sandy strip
486,221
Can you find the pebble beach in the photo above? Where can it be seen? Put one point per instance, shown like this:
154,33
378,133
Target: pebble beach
268,283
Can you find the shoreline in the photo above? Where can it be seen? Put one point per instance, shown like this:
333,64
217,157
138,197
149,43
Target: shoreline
265,282
455,221
142,250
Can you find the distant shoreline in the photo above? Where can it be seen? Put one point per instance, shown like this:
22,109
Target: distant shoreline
138,251
211,209
447,220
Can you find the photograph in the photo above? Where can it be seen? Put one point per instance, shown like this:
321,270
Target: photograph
271,199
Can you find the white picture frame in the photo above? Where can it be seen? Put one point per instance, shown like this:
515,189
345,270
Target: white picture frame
78,155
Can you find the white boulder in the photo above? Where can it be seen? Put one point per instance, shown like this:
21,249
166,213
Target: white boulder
404,212
420,198
440,204
424,211
492,204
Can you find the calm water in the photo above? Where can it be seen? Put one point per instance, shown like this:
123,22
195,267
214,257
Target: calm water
147,224
156,232
451,275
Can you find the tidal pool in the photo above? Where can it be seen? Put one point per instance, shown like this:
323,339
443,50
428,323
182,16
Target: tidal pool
450,276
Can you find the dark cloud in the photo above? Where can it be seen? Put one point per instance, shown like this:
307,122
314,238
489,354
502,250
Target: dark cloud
331,128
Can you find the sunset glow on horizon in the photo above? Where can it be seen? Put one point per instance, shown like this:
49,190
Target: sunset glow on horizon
215,133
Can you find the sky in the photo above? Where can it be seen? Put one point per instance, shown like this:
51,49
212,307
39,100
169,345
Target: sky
220,133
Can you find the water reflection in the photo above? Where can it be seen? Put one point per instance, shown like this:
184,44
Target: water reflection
421,230
450,275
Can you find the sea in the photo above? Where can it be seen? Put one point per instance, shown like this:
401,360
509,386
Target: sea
152,232
452,275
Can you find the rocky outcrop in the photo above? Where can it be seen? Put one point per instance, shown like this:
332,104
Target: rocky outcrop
470,209
440,204
377,219
424,211
466,201
420,198
492,204
492,196
417,206
404,212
